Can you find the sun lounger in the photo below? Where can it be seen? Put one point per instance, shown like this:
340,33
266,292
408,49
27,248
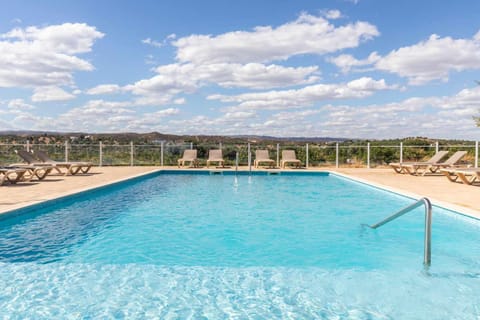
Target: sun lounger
288,156
28,157
262,156
215,156
189,156
73,167
466,175
32,171
422,169
399,166
11,175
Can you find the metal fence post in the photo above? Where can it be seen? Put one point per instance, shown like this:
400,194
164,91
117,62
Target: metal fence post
66,150
131,153
476,154
100,148
249,155
401,152
278,154
28,145
368,155
306,156
336,155
191,145
161,153
436,147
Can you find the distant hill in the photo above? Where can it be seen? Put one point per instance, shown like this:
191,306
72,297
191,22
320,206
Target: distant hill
157,137
53,137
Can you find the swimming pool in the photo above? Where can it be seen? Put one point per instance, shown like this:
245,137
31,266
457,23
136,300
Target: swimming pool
194,245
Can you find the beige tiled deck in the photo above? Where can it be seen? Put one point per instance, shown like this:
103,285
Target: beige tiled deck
438,188
441,191
54,186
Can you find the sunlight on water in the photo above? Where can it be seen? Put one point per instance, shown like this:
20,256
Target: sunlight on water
192,246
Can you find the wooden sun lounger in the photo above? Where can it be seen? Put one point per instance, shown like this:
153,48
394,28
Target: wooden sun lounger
466,175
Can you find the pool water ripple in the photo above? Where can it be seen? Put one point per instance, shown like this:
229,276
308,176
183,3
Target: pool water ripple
198,246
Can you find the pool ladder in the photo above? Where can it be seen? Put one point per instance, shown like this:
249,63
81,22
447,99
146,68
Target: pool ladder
427,252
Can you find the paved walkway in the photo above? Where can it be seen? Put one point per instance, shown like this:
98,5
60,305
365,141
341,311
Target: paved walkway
441,191
438,188
54,186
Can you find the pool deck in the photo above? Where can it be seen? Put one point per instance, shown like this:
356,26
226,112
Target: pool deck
455,196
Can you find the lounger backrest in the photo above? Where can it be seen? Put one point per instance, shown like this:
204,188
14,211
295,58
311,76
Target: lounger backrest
261,154
457,156
215,154
190,154
26,156
289,155
42,156
438,156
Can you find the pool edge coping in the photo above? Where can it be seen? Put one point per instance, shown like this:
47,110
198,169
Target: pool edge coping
465,211
75,192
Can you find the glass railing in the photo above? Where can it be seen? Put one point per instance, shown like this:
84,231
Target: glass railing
311,155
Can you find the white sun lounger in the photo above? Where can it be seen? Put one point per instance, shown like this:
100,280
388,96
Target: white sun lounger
72,167
188,156
422,169
465,175
215,155
288,156
262,156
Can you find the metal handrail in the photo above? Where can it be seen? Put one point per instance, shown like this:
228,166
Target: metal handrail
427,253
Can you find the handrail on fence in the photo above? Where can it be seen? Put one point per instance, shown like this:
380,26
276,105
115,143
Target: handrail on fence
166,153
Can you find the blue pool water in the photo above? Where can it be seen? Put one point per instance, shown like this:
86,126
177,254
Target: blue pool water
219,246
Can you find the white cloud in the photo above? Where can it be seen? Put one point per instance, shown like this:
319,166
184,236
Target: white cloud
418,116
235,59
304,97
306,35
432,59
152,43
51,94
19,104
423,62
174,79
332,14
112,116
33,57
179,101
104,89
346,61
250,75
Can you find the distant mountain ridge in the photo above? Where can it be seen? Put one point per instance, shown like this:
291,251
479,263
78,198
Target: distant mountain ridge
168,137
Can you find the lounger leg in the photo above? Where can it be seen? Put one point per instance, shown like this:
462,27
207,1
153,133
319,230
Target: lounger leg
450,176
465,179
398,169
85,170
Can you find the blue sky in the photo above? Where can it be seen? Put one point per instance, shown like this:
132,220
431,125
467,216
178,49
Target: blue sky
359,69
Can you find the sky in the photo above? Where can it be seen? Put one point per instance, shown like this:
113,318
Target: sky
371,69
